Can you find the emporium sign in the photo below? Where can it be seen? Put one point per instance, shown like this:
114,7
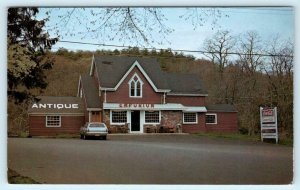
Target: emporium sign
55,106
136,105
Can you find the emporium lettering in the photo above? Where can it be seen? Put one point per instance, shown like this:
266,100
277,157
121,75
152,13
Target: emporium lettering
136,105
56,106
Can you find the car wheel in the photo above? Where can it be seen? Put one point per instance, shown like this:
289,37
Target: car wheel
104,137
84,137
81,136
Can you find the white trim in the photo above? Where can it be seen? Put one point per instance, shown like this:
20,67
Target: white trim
54,114
167,106
216,119
92,66
54,126
107,89
136,63
78,93
83,94
196,122
90,115
194,109
142,122
135,86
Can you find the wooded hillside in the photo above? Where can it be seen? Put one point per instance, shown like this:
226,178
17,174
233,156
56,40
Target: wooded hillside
238,85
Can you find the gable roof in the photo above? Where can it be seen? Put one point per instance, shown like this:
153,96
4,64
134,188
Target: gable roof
183,84
61,100
113,69
221,108
90,91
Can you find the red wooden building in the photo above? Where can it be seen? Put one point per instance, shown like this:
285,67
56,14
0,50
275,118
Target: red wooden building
136,93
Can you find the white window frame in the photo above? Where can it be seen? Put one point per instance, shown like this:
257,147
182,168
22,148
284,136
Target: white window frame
183,116
216,119
159,112
53,125
135,86
123,123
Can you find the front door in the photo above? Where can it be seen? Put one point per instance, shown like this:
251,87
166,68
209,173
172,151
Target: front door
95,116
135,121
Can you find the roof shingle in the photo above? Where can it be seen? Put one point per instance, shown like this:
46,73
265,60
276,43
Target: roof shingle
111,69
90,91
221,108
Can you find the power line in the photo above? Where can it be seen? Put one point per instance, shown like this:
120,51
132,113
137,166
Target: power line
174,50
258,10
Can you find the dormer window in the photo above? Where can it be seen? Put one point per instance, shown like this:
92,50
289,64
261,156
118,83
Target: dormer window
135,86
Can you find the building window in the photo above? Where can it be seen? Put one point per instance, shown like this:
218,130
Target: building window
119,117
190,118
211,118
152,117
135,86
53,121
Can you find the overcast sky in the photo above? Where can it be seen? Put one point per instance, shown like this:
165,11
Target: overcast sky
267,21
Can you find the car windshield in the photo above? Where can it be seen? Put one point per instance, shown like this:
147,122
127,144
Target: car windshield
97,125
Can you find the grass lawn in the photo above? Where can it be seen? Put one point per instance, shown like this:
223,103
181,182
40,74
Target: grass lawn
238,136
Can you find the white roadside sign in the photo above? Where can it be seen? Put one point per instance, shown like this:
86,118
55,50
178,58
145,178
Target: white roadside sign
268,123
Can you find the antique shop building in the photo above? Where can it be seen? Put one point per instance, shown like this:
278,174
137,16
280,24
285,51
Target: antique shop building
135,93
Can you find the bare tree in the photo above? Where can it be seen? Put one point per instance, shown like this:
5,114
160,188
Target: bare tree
249,52
140,26
218,50
219,47
279,69
250,61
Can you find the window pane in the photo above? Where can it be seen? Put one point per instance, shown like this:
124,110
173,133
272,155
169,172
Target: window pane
132,86
135,87
152,117
189,117
53,121
210,118
138,89
119,117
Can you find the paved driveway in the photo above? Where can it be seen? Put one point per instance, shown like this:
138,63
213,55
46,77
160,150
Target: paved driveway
149,159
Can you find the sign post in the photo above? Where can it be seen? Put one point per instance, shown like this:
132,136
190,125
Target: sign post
268,123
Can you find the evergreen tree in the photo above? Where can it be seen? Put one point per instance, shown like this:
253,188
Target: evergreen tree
27,47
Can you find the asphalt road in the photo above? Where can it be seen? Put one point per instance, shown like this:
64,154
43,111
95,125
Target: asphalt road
149,159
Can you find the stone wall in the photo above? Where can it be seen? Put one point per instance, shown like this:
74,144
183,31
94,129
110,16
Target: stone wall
106,115
169,121
171,118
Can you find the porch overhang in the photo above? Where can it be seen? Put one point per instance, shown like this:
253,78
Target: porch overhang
165,107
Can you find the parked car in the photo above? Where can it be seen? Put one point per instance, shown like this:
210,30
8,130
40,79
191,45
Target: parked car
95,129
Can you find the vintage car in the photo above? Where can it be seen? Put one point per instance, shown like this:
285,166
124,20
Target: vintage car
94,129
